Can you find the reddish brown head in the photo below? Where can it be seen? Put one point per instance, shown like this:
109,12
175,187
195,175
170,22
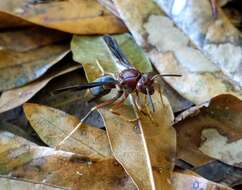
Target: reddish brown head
128,79
145,84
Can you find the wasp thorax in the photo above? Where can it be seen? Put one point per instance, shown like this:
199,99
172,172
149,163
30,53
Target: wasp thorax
128,79
145,84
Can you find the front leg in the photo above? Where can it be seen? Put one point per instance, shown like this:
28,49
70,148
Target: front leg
118,104
214,5
106,103
157,85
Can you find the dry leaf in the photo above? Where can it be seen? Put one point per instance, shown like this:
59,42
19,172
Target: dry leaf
215,131
53,126
13,184
216,38
10,21
76,16
129,141
220,172
24,39
110,6
171,51
16,97
145,151
24,160
19,68
190,182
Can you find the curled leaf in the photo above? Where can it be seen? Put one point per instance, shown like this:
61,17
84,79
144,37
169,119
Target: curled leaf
16,97
85,17
213,132
19,68
21,40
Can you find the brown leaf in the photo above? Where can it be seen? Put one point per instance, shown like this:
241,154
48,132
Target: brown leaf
220,172
19,68
171,51
21,40
10,21
16,97
110,6
24,160
53,126
146,150
76,16
191,182
14,184
215,131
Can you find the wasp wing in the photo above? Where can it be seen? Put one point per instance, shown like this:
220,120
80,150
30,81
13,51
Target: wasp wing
116,51
85,86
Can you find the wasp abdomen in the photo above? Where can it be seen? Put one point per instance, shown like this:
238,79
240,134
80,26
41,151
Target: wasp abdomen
104,89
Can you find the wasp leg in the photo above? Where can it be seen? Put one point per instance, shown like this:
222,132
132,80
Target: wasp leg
137,103
108,102
147,108
214,5
102,71
160,89
117,105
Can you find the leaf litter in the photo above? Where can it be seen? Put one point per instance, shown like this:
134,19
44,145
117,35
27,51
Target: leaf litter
201,150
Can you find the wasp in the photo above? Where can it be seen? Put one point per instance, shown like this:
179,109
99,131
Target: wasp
128,81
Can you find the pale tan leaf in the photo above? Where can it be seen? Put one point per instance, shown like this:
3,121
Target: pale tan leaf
183,181
148,146
53,126
24,160
171,51
215,37
14,184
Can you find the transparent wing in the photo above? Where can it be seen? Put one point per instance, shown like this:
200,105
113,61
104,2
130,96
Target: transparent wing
85,86
116,51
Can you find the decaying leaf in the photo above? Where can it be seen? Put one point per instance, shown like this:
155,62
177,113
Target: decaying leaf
24,39
145,149
53,126
10,21
215,131
220,172
215,37
110,6
171,51
76,16
16,97
233,12
177,102
7,126
14,184
19,68
191,182
24,160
